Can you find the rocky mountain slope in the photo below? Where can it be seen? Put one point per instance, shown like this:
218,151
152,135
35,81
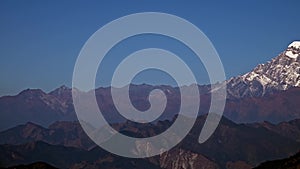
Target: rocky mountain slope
280,73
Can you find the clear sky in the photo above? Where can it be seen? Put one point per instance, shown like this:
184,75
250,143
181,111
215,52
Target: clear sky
40,40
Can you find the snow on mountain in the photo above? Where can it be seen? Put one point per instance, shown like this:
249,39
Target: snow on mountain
280,73
293,50
295,44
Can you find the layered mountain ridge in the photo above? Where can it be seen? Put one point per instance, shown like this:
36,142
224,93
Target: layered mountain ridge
231,146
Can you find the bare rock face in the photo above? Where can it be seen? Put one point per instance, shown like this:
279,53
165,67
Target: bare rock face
183,159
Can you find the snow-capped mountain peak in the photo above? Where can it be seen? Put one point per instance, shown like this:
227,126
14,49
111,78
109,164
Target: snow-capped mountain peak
280,73
295,44
293,50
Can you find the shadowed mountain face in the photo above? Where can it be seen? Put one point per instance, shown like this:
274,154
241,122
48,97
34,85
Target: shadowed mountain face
69,134
289,129
56,155
232,145
292,162
239,142
275,108
67,157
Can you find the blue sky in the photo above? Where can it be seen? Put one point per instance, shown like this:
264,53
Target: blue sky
40,40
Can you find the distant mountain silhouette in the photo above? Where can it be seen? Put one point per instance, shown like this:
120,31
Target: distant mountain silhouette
232,145
36,106
69,134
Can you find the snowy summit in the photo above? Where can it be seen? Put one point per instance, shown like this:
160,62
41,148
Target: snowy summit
281,73
293,50
295,44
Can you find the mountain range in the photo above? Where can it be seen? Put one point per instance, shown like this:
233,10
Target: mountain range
270,92
65,145
261,124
